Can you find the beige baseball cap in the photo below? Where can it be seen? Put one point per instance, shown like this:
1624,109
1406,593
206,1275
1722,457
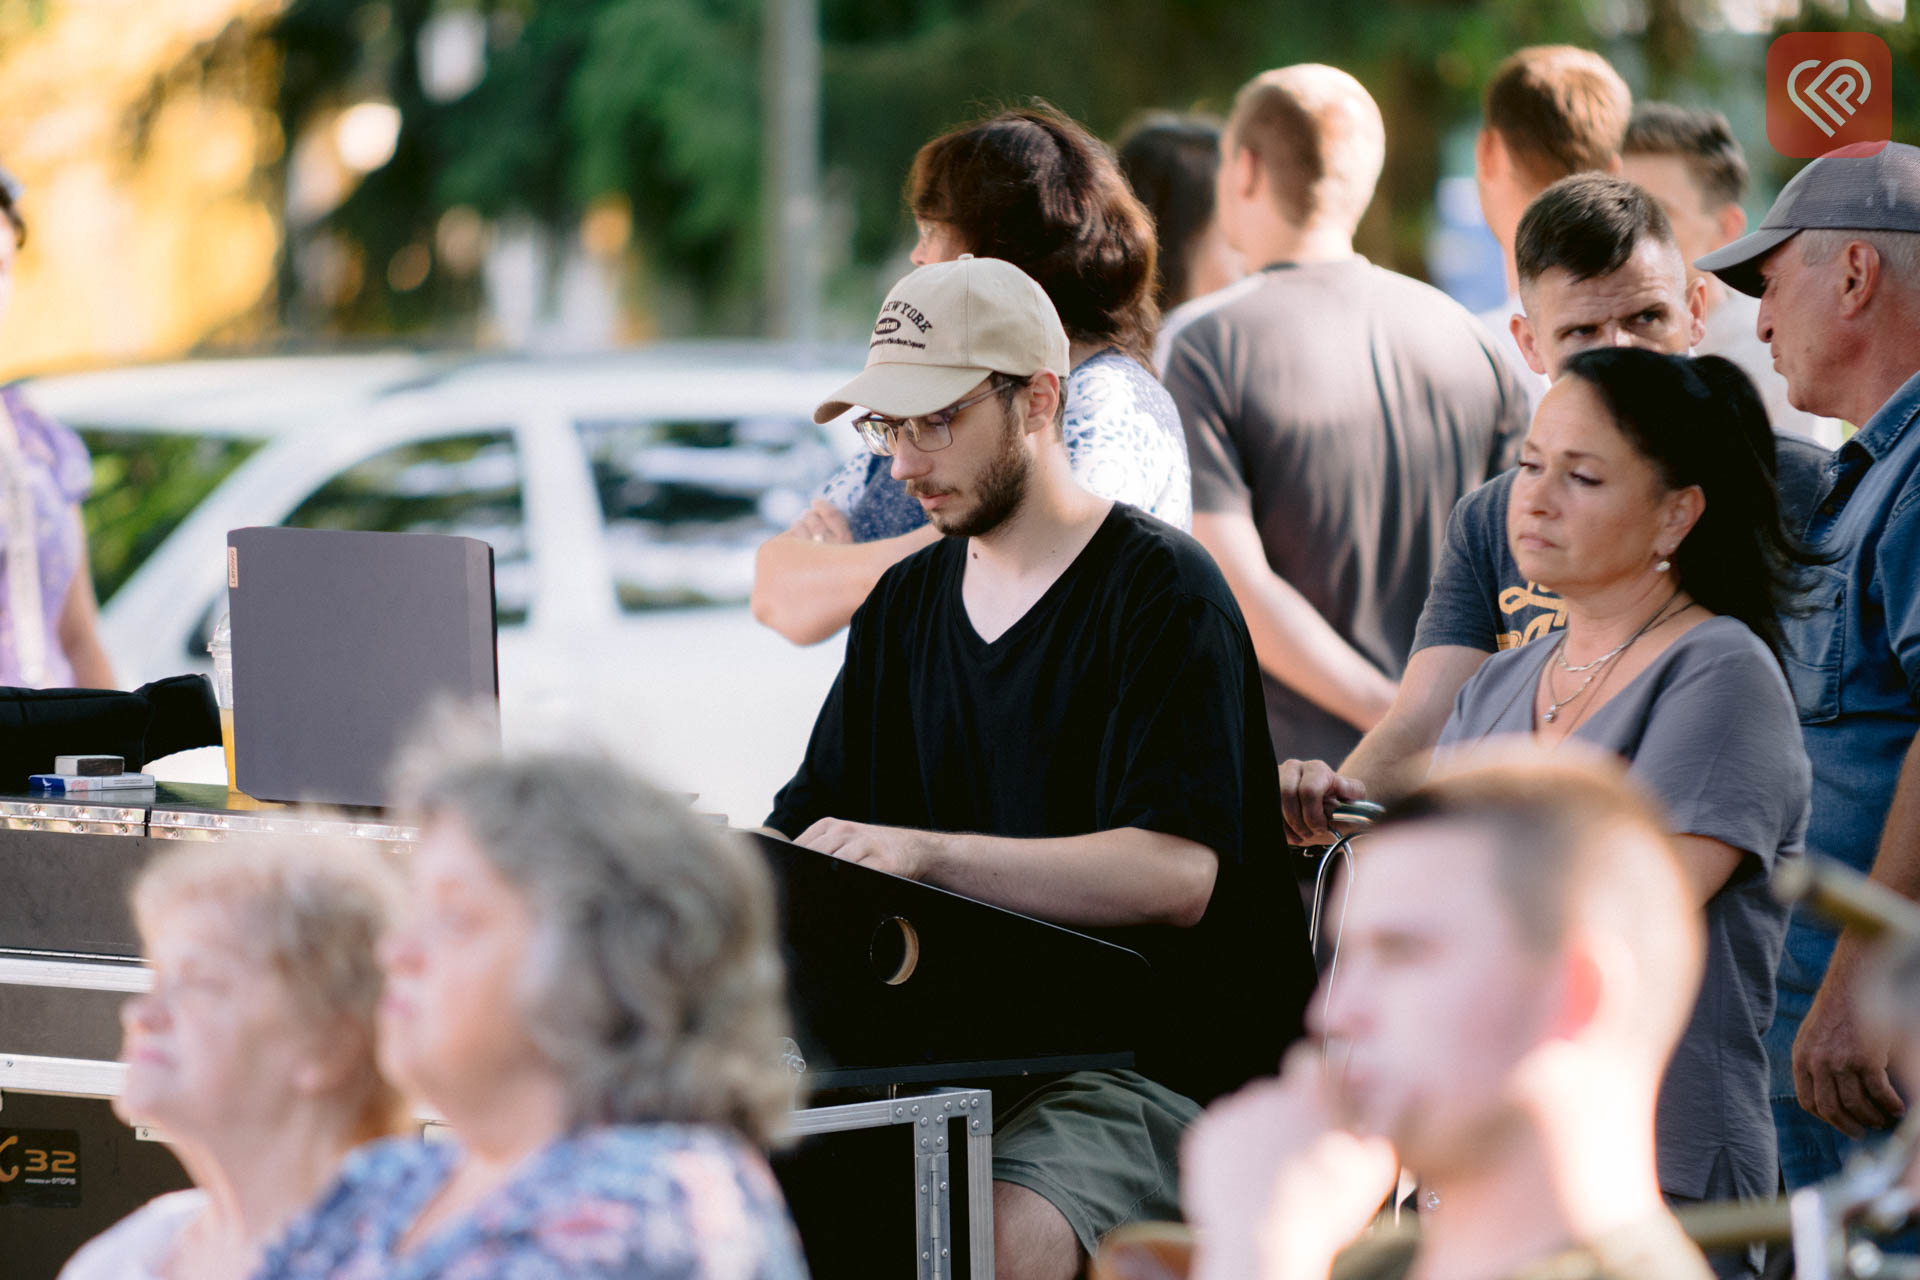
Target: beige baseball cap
943,329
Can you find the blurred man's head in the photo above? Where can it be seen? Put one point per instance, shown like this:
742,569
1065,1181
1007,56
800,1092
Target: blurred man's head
1519,939
1598,267
1688,160
1303,150
1549,111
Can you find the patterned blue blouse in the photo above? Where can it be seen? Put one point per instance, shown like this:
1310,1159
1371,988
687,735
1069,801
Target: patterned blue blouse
1123,441
654,1202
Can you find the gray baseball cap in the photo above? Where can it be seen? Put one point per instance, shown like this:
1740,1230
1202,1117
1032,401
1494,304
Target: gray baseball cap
1868,186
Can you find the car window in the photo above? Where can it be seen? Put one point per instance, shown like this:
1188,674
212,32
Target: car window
468,485
686,503
144,484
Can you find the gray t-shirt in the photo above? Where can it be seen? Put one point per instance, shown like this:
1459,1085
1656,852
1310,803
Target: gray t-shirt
1480,599
1710,731
1345,409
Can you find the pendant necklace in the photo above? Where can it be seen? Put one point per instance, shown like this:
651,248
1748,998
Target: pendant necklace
1553,708
1593,668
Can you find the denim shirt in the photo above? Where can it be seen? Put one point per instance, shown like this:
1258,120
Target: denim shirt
1854,662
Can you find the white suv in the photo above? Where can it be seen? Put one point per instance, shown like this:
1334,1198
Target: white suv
624,496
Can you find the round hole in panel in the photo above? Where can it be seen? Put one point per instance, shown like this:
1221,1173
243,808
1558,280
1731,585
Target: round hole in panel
895,950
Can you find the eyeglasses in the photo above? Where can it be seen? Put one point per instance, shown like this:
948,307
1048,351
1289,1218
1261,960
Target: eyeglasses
930,432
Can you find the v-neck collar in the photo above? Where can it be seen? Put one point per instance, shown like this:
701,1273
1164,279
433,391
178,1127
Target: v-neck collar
504,1212
1660,662
979,645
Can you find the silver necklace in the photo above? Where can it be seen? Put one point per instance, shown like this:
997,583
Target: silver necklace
1553,708
1560,654
1593,668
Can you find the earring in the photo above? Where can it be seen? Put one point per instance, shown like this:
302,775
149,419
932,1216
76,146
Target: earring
1662,565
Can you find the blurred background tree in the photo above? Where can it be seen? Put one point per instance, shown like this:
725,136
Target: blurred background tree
470,169
655,104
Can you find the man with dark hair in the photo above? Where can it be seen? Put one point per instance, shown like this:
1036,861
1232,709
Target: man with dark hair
1598,267
1056,709
1520,951
1334,412
1550,111
1595,256
1688,160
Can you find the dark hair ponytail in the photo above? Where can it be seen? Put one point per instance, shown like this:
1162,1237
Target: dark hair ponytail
1700,421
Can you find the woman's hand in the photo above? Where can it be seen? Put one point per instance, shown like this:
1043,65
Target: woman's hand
1309,790
822,522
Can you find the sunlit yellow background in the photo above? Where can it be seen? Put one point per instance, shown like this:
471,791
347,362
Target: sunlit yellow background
141,130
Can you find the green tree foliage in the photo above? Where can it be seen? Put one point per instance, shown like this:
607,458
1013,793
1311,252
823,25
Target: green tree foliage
659,101
144,485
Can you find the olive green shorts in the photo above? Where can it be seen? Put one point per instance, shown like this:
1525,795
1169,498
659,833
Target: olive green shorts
1102,1147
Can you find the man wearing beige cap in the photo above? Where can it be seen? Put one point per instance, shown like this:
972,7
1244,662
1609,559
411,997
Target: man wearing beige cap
1836,266
1056,709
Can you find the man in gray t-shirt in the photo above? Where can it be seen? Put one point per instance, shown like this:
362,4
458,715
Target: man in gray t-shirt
1335,412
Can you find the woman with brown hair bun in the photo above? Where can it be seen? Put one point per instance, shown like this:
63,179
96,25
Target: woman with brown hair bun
1034,188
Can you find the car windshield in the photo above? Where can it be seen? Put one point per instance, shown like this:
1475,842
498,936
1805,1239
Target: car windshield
467,484
687,503
144,484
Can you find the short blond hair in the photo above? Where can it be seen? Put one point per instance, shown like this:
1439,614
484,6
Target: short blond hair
313,909
1319,138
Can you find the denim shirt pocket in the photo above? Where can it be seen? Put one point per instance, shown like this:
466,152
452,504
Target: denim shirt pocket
1818,647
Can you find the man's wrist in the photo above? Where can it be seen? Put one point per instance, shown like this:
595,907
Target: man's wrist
1848,950
935,855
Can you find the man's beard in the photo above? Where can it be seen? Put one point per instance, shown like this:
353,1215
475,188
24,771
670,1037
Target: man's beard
1001,488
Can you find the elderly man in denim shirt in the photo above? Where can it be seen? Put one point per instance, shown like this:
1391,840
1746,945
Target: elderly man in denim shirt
1836,265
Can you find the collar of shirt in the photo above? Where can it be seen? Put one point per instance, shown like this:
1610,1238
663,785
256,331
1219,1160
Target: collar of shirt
1881,433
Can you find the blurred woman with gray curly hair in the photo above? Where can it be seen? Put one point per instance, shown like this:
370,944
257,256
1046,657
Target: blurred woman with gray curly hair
585,984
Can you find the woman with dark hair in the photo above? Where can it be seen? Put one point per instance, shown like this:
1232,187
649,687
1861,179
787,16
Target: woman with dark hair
49,619
1169,161
1646,501
1034,188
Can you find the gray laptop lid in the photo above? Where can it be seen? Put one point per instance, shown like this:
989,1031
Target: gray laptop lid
340,641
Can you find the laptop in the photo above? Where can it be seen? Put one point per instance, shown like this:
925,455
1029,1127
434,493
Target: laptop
341,641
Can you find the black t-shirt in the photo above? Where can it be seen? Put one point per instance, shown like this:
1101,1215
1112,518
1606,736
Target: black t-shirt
1127,696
